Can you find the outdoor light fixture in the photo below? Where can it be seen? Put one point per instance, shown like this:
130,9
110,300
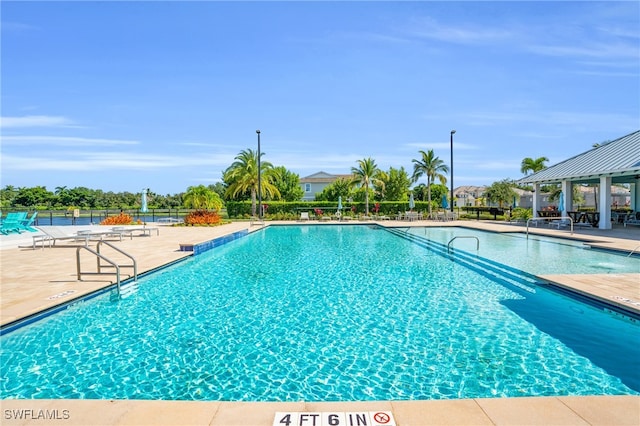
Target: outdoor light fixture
452,132
259,181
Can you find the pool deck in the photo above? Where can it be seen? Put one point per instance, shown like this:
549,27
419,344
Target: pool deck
36,280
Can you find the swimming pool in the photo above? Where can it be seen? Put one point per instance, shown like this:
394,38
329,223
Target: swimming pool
326,313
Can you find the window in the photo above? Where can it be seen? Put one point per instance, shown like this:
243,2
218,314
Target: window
307,187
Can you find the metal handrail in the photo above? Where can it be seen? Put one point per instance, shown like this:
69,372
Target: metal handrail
633,251
134,265
112,264
98,256
463,236
548,219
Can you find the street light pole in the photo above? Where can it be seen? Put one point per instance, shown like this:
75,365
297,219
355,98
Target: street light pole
259,180
452,132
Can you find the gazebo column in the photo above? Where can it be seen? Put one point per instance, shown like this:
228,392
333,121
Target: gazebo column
567,190
537,199
605,203
635,195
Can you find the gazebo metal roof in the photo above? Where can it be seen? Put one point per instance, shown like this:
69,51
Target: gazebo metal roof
619,159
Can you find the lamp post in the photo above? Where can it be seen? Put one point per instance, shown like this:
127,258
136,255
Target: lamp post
259,181
452,132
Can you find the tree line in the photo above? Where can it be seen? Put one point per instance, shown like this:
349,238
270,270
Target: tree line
368,183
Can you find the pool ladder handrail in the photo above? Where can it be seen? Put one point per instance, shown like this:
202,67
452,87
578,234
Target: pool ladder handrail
112,264
463,236
633,251
550,219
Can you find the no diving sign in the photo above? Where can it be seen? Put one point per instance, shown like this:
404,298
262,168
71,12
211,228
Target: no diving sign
330,418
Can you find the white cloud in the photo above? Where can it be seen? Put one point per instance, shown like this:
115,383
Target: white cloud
115,161
35,121
592,50
431,29
63,141
17,26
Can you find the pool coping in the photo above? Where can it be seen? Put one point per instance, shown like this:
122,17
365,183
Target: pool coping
558,410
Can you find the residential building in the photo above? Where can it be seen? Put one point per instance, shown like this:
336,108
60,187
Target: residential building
317,182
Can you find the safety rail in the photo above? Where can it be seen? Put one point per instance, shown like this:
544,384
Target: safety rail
111,264
548,219
633,251
463,236
255,219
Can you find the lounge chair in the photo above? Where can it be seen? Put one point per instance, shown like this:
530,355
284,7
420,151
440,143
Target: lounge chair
128,231
52,234
26,223
562,223
304,216
13,222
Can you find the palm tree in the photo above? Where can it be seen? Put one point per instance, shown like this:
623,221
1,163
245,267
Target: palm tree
367,174
201,197
242,176
530,165
431,166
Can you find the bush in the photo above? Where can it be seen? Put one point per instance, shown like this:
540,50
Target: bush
521,213
121,219
202,217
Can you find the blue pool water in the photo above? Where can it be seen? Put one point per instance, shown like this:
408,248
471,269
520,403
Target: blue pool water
329,313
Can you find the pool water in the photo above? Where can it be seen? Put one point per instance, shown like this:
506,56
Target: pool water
537,255
324,313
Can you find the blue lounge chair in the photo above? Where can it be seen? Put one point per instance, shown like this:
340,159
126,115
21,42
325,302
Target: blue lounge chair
13,222
25,225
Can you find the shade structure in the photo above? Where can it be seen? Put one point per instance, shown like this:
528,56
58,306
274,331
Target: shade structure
143,205
412,203
339,203
561,202
445,202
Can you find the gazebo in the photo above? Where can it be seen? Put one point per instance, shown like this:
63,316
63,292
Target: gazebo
617,161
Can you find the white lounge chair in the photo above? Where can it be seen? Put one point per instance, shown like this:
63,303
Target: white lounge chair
562,223
129,230
52,234
304,216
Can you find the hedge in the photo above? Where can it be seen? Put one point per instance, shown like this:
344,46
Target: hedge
239,209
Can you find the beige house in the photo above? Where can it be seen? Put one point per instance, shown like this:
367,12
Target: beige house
317,182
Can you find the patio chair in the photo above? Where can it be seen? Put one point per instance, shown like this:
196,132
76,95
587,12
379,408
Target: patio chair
26,223
562,223
52,234
13,222
304,216
9,226
633,219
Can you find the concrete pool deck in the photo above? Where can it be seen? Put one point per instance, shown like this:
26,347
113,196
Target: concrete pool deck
35,280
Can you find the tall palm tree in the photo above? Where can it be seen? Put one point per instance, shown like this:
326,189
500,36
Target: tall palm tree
530,165
432,167
367,174
242,176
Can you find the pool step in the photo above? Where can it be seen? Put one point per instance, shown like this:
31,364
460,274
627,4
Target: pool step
484,266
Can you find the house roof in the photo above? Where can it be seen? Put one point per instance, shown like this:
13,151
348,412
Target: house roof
323,177
619,159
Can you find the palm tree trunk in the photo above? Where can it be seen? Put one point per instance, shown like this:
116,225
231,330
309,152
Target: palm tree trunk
429,196
253,202
366,200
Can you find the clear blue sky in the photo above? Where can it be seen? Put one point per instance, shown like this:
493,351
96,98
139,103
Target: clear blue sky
122,96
